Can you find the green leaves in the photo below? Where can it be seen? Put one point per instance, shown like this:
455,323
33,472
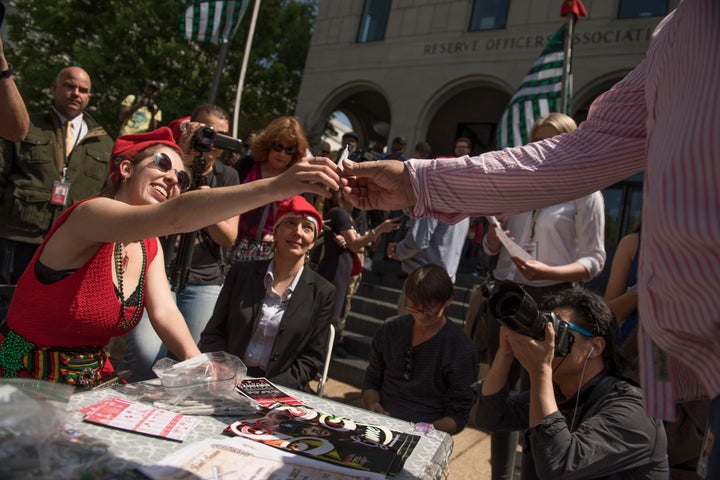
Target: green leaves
124,43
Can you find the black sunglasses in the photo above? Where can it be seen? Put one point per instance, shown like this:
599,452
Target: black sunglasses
407,374
279,148
164,164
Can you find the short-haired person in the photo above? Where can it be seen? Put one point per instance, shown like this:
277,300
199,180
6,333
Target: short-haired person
63,159
463,146
275,314
422,365
100,265
140,114
582,419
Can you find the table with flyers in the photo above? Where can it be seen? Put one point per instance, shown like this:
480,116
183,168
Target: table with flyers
427,458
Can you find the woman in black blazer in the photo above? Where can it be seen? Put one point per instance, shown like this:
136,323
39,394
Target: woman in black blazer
275,314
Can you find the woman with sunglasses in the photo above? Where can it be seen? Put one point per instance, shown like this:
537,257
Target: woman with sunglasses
100,265
275,149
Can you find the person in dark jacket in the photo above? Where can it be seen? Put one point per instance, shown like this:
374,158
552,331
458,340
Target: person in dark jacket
275,314
583,420
63,159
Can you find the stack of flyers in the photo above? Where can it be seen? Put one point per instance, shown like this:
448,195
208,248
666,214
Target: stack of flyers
341,441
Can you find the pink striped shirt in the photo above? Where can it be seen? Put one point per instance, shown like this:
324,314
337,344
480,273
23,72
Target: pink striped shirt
664,118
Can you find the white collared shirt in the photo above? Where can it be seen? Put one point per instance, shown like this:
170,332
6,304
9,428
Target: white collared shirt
259,349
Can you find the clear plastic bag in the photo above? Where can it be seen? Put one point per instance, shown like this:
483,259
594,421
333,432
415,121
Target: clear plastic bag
209,375
35,441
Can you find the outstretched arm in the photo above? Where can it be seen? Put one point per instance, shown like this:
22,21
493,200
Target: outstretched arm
106,220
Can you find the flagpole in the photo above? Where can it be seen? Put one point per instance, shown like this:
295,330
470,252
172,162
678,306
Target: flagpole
567,62
222,55
243,69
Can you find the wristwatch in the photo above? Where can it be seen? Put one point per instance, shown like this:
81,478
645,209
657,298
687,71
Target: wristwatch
7,73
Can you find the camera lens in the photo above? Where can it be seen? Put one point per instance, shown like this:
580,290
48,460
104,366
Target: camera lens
508,305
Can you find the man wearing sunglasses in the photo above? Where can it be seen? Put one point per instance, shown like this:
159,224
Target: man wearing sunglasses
62,159
582,419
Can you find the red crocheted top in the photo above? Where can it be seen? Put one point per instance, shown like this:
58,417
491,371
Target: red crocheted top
81,310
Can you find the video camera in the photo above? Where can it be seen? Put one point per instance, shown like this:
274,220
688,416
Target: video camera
206,139
515,309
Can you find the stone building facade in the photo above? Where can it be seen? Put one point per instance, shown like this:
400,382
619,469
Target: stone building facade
435,70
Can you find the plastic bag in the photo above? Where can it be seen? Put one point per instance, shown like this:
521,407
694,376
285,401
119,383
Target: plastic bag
35,441
215,373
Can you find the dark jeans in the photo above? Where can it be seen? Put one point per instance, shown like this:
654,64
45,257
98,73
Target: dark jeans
14,258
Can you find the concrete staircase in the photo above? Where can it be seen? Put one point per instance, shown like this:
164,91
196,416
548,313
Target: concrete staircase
375,301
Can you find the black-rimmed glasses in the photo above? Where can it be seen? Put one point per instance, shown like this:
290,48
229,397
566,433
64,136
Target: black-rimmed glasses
164,164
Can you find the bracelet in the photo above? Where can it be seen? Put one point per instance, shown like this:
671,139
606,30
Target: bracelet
8,73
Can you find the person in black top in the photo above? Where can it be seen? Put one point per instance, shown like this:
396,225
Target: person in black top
422,365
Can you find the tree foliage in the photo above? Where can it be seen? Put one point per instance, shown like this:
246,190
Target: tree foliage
124,43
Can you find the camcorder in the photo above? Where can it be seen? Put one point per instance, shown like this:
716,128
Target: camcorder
206,139
516,310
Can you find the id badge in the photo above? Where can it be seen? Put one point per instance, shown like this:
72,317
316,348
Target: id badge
60,193
531,248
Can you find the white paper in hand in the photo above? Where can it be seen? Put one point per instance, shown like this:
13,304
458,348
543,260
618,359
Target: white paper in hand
513,248
342,158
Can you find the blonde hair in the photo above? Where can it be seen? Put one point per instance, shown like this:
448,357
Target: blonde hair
559,121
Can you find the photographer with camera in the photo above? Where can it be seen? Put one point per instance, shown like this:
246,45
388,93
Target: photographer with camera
196,272
141,114
582,419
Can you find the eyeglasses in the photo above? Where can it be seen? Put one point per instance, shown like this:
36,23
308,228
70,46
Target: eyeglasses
407,374
164,164
288,150
423,311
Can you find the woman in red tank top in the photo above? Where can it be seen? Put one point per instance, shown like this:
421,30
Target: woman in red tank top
100,264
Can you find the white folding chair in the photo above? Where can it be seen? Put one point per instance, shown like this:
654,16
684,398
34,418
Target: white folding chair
328,358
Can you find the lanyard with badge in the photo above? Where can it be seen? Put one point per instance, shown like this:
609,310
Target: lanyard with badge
61,188
532,245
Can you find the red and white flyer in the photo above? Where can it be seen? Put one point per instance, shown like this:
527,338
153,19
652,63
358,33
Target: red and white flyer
137,417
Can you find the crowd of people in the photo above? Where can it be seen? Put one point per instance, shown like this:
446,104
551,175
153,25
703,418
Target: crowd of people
83,217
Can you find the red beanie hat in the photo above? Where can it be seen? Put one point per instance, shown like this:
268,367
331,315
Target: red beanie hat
297,206
128,145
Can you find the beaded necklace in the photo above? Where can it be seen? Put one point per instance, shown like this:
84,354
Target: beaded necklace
120,266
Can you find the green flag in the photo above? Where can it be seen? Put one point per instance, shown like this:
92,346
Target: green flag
213,21
538,95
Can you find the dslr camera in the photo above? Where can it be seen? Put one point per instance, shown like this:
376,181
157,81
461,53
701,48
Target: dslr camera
515,309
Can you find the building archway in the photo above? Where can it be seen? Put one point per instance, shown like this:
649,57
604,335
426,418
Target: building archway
365,106
468,107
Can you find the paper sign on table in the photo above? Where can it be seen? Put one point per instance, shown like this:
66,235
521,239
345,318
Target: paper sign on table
264,392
